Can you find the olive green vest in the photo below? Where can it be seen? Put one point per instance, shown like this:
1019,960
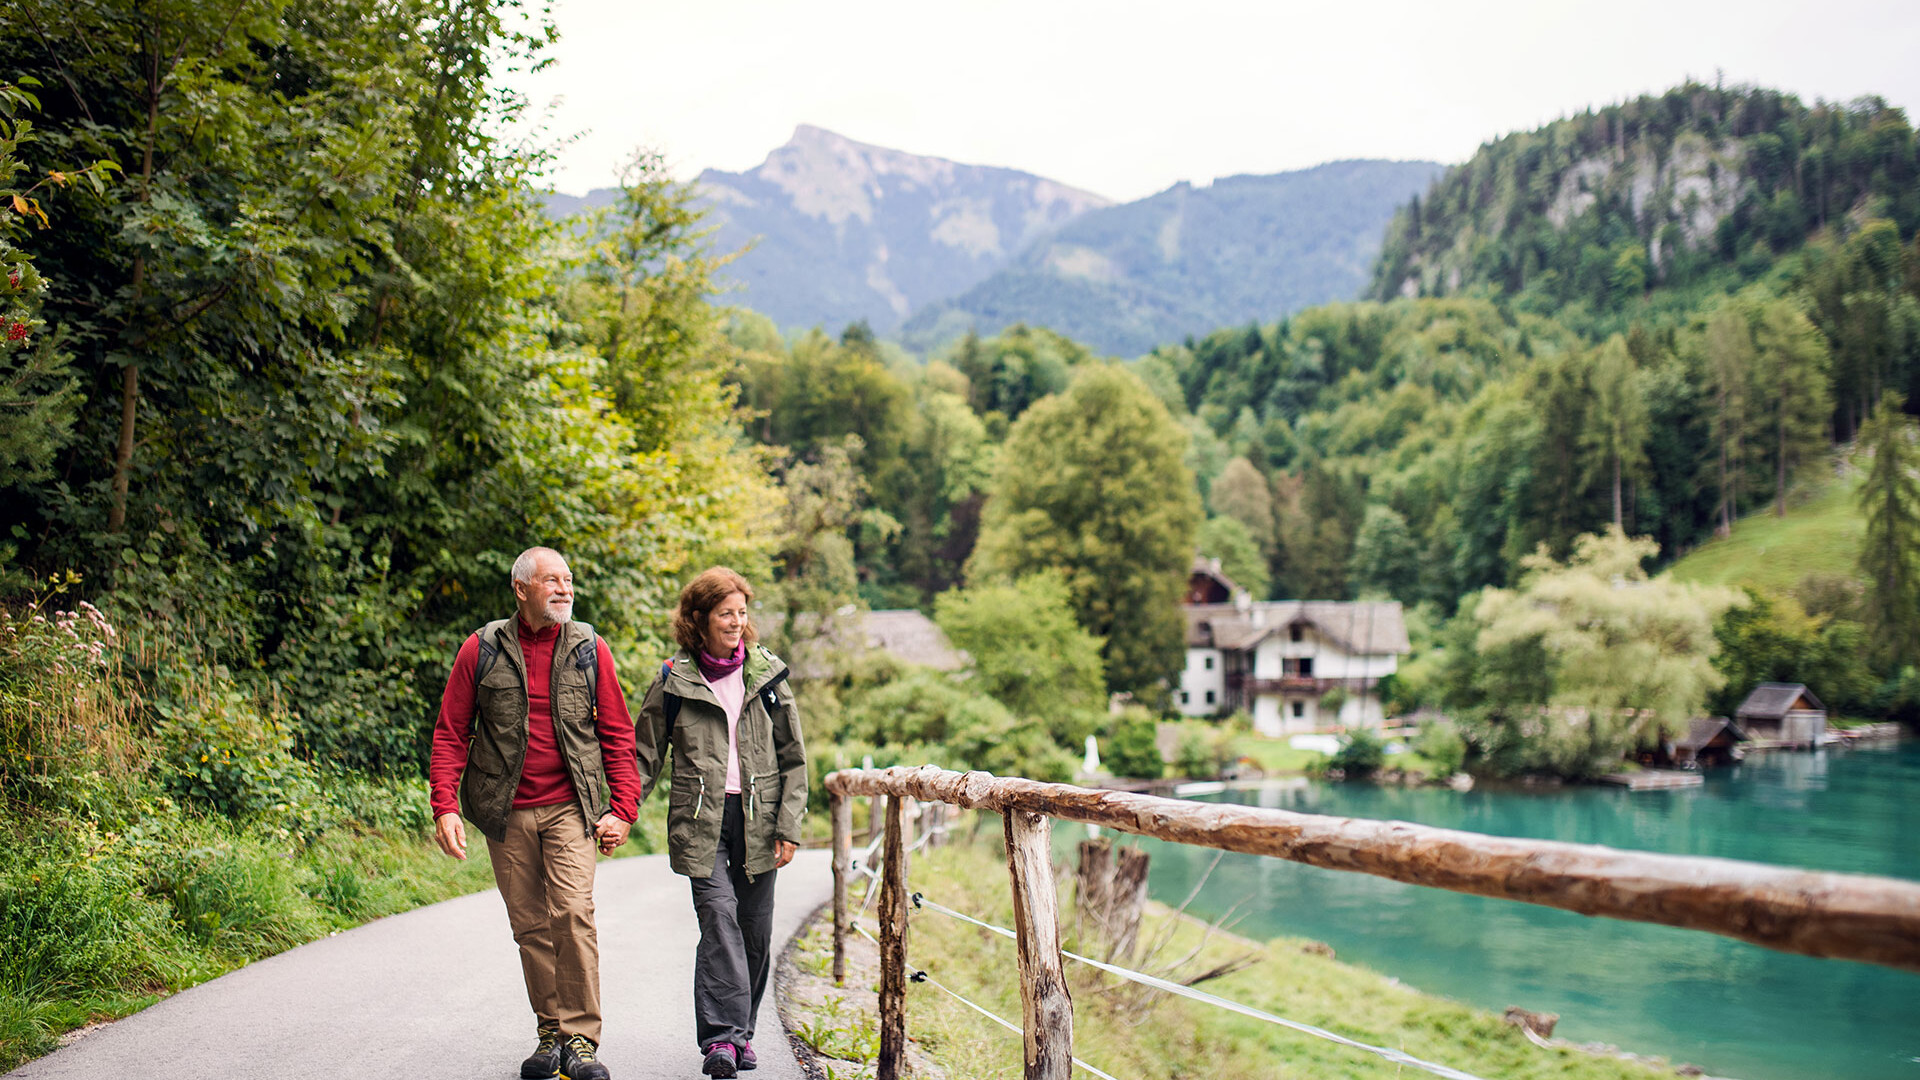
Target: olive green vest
499,746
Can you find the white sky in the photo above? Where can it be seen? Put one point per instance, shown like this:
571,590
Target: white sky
1125,98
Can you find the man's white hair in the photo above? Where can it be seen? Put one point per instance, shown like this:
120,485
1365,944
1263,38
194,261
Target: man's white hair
523,566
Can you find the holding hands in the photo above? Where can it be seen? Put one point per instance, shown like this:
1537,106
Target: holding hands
611,831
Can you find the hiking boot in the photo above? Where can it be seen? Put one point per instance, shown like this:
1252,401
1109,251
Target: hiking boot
721,1062
746,1057
577,1061
545,1061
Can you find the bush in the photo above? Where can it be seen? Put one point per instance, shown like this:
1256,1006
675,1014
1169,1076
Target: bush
1363,754
1130,748
1441,744
220,749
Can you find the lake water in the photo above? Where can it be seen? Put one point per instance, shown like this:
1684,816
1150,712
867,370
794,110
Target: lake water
1736,1010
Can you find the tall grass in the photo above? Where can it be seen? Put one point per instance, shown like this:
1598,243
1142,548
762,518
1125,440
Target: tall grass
158,828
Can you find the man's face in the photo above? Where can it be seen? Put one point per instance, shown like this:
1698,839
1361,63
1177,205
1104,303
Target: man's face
547,600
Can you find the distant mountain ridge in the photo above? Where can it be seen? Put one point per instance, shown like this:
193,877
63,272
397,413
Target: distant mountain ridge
1191,259
843,231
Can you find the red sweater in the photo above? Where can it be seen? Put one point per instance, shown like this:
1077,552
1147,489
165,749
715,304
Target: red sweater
543,776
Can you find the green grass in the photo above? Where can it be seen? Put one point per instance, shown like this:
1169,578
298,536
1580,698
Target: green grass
1274,756
100,919
1821,534
1129,1034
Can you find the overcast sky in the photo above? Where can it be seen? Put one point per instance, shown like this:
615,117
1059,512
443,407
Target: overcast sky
1125,99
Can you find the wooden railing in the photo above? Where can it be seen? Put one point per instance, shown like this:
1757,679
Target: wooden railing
1844,916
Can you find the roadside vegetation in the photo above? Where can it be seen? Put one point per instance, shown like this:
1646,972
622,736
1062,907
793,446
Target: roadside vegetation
1128,1032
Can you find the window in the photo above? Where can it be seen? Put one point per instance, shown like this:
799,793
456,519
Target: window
1296,667
1184,697
1209,663
1209,697
1299,709
1294,633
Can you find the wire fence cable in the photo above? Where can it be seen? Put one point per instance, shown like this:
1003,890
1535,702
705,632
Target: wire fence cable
1399,1057
916,975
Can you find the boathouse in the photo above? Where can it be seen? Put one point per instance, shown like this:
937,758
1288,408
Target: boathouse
1786,713
1709,741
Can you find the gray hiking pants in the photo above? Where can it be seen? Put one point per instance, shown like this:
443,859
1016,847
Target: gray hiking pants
731,964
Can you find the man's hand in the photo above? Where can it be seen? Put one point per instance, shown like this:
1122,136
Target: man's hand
611,831
783,852
451,833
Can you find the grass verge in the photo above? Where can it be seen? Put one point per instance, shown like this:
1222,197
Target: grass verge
1131,1033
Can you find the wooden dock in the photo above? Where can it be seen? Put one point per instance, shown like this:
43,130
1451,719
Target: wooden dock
1654,779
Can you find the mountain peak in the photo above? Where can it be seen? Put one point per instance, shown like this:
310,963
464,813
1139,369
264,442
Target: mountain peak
850,230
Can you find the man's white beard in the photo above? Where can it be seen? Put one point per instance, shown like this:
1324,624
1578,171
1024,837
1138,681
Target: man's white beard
560,613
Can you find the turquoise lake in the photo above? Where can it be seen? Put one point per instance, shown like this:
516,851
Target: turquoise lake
1734,1009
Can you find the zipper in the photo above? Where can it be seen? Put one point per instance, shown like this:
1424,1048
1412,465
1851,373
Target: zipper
701,800
753,790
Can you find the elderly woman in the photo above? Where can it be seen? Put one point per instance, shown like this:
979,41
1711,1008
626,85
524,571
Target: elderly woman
724,707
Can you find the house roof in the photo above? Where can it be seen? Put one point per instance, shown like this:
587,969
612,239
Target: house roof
1360,627
1206,572
908,635
1773,700
903,633
1702,729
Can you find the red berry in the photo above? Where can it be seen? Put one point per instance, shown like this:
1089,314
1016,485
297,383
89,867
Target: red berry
13,277
16,331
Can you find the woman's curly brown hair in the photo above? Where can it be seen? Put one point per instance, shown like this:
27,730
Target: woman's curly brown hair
700,597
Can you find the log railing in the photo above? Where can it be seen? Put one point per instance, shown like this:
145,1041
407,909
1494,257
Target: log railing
1843,916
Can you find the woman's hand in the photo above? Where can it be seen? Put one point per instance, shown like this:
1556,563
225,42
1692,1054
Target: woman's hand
783,852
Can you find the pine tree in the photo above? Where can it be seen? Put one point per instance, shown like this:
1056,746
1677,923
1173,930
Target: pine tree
1890,558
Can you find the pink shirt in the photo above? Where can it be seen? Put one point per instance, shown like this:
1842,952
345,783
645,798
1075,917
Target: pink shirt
731,692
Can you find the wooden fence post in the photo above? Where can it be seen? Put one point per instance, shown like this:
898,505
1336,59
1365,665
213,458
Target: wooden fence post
1046,1004
893,949
842,814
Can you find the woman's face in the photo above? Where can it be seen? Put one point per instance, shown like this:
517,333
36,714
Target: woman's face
726,623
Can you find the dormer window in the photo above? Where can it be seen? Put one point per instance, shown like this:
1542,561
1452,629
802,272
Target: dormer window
1294,633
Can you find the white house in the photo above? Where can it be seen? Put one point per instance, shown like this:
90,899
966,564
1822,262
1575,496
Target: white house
1294,665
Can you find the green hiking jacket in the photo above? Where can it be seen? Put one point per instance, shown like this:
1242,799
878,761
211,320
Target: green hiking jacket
773,761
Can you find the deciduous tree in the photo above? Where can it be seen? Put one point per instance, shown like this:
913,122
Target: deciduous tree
1092,483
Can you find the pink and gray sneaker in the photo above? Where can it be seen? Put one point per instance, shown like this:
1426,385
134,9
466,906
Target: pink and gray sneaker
721,1062
747,1060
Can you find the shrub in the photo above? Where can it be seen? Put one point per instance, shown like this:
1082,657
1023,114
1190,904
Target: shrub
1441,744
220,749
1130,748
1363,754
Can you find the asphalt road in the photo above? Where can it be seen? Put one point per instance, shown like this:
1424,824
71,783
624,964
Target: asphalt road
436,992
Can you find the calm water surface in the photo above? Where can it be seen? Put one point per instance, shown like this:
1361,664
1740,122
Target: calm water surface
1734,1009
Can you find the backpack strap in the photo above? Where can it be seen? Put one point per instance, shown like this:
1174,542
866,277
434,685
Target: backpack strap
489,652
586,657
670,701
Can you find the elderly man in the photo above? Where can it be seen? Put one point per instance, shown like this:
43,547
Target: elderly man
535,738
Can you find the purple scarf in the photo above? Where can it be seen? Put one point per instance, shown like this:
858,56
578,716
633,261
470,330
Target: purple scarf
716,669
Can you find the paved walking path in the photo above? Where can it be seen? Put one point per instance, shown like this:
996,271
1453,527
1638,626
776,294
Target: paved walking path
436,992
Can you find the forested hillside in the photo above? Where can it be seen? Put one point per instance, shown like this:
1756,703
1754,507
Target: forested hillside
1642,212
1188,259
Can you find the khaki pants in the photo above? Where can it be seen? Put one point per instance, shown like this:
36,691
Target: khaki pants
544,869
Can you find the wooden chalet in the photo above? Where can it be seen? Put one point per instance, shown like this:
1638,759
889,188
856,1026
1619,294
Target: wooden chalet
1294,665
